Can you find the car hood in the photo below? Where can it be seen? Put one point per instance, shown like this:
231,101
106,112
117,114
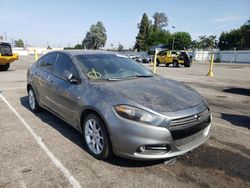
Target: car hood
156,93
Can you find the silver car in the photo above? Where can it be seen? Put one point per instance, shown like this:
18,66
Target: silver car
118,105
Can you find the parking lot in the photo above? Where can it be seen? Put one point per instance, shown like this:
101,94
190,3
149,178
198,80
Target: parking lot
43,151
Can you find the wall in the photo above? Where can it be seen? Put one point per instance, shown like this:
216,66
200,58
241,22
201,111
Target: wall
31,50
223,56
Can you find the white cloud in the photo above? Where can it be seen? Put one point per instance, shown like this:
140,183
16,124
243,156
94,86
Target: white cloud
227,19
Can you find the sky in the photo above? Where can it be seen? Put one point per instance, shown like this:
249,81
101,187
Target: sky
62,23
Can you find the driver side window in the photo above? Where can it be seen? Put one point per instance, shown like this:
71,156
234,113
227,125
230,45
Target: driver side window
62,65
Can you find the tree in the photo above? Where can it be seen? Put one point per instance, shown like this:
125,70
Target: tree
182,40
78,46
159,37
236,38
160,20
144,29
19,43
96,37
120,47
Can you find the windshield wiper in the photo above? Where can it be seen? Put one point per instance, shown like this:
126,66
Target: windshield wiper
132,76
144,76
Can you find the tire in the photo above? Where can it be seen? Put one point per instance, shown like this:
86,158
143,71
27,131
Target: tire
33,104
175,63
4,67
157,62
167,64
96,137
186,64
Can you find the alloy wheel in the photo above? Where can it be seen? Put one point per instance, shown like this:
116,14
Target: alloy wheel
94,136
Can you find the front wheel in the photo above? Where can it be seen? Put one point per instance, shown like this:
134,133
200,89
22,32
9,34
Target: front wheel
157,62
96,137
186,64
4,67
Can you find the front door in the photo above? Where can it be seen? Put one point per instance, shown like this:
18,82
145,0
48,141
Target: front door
66,95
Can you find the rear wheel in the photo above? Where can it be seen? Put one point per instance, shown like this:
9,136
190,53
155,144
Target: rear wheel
96,137
175,63
4,67
34,106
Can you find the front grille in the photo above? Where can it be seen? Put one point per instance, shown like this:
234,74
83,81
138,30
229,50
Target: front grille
187,126
190,119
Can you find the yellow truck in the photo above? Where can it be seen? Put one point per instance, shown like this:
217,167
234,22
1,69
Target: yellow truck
168,57
6,56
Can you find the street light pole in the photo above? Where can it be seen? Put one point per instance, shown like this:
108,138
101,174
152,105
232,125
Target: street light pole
173,38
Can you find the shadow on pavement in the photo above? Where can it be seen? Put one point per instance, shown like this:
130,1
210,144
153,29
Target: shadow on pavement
239,91
212,158
237,120
72,134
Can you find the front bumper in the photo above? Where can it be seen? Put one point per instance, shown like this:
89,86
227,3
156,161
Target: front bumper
128,137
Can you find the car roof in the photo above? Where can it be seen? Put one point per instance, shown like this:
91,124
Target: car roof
85,52
4,43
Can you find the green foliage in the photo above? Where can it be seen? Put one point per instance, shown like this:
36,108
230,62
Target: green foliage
182,40
160,20
144,29
150,35
96,37
158,37
19,43
236,38
204,42
78,46
120,47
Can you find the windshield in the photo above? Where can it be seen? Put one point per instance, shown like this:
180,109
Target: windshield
111,67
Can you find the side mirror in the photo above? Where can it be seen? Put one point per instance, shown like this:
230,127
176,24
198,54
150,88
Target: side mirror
70,77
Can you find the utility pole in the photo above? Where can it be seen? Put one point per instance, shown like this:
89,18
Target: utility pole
173,38
5,36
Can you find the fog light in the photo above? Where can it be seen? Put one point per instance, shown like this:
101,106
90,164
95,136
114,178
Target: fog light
142,148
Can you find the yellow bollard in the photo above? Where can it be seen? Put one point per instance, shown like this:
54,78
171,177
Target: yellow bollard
36,56
155,57
210,72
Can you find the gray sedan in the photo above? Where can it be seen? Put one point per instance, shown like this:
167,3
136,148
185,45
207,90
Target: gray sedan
118,105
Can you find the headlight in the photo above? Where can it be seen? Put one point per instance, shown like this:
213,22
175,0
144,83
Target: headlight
137,114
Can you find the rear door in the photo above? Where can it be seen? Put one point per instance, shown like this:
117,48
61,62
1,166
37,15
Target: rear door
65,94
42,77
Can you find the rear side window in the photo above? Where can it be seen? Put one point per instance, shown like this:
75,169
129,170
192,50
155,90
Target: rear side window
162,53
62,65
47,61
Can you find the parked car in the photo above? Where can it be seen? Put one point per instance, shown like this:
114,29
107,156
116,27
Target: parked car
169,57
146,59
6,56
132,56
118,105
184,56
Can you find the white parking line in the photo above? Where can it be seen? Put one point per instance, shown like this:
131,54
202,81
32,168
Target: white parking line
12,88
38,139
232,128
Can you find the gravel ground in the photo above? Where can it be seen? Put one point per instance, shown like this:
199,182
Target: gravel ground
223,161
